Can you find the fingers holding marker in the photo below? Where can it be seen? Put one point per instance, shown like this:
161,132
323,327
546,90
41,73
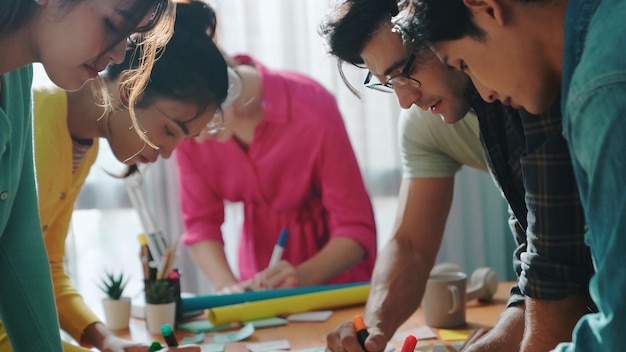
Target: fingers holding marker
360,329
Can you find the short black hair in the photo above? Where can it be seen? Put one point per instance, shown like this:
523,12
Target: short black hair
350,24
425,22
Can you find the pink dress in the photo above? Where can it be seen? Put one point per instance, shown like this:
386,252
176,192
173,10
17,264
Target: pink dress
300,173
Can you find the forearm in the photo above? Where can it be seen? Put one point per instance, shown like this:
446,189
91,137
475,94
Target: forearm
397,286
211,258
339,255
403,266
551,322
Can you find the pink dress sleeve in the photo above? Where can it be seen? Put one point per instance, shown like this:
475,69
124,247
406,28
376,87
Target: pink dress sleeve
202,209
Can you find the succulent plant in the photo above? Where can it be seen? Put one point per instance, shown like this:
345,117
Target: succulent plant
113,286
160,292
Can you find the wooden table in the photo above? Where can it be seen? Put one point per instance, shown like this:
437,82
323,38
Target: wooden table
305,335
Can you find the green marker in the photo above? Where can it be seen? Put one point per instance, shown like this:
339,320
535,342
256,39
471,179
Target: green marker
154,347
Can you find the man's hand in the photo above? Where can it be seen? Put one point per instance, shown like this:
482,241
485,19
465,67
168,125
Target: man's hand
504,337
343,338
112,343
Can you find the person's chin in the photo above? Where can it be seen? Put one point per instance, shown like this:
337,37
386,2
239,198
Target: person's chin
535,109
73,84
451,117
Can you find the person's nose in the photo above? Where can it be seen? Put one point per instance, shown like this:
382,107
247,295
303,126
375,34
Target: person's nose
407,96
166,152
118,52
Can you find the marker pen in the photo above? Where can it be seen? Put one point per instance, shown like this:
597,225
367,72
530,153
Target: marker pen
155,346
361,330
409,344
278,248
168,335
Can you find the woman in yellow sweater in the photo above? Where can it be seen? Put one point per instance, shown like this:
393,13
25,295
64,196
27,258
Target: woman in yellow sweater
188,84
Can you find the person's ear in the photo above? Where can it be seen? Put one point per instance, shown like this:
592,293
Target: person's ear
492,9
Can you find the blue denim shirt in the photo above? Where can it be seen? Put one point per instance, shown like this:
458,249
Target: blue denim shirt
594,106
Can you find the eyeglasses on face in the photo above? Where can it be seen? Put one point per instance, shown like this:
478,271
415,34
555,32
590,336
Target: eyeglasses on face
403,79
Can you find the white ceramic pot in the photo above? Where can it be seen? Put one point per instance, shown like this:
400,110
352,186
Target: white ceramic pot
159,314
117,312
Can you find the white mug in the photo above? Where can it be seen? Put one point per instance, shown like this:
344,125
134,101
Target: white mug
444,300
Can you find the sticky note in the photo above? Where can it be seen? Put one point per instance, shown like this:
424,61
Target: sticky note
267,323
235,336
195,339
439,347
424,347
321,315
266,346
421,333
457,346
431,347
312,349
198,326
454,335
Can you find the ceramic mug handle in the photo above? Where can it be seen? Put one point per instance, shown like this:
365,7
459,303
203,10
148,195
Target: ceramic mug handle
456,299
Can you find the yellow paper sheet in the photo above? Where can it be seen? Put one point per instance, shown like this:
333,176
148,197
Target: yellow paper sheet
289,305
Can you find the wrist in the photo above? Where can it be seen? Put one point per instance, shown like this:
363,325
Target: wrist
94,335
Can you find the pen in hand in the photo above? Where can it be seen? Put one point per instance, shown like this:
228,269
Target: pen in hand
278,248
361,330
168,335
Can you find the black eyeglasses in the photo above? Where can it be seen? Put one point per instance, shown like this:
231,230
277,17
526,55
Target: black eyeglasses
403,79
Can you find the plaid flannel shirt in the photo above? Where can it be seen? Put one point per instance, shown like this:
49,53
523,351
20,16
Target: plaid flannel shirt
530,162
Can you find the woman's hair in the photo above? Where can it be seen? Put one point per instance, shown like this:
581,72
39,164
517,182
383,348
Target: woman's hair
153,35
190,68
15,13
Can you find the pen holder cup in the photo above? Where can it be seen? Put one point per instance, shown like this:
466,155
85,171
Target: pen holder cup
165,291
159,314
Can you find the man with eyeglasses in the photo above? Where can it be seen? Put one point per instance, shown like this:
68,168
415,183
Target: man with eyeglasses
529,162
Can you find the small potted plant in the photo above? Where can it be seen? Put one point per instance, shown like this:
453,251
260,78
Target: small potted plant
160,305
116,306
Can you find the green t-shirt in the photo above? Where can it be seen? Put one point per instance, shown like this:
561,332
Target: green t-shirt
432,148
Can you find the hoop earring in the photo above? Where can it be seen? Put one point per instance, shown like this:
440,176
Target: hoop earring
134,155
235,87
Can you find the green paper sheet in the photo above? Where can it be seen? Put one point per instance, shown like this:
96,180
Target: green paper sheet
235,336
198,326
